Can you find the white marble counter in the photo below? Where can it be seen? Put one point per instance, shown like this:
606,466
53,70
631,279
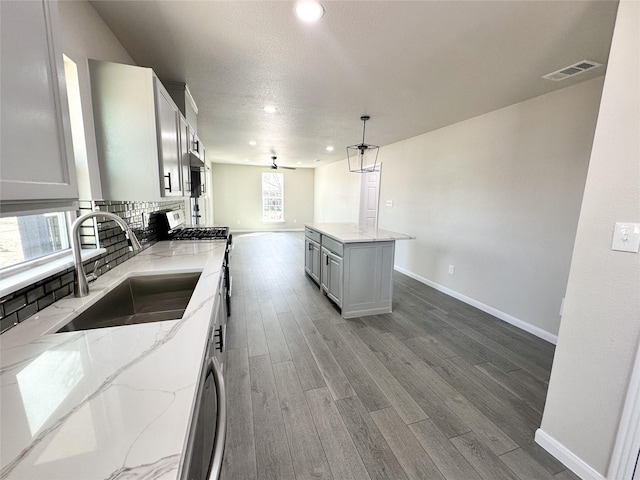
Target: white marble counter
354,233
112,402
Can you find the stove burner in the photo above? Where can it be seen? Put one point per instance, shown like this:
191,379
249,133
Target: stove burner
201,233
171,226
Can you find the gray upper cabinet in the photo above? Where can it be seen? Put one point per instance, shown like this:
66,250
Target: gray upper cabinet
36,151
137,133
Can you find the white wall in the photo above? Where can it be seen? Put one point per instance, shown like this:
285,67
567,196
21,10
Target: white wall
237,197
337,194
84,36
601,324
497,196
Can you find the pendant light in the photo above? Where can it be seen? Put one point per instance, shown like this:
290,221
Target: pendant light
363,157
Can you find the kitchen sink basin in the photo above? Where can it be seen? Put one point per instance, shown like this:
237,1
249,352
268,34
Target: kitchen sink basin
140,299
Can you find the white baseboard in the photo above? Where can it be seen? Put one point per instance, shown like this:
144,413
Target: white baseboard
527,327
566,456
264,230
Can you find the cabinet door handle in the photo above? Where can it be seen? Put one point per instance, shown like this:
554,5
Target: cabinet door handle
168,176
327,261
219,341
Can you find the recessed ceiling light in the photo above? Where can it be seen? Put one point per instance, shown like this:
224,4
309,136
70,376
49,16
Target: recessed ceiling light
298,163
270,109
329,149
252,143
246,160
309,11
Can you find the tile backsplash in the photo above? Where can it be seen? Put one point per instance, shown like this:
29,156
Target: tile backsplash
141,218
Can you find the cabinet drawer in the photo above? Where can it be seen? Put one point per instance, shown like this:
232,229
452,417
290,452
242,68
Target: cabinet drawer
312,234
330,244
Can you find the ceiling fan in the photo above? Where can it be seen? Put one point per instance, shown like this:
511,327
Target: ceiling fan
275,167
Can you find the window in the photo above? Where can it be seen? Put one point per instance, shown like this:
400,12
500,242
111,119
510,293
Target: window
31,236
272,197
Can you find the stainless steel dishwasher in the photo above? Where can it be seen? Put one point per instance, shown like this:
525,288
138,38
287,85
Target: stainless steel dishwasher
205,444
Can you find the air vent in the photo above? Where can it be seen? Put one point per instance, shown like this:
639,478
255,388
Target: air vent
572,70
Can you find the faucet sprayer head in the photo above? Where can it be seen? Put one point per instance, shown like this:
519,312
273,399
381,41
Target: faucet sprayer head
134,243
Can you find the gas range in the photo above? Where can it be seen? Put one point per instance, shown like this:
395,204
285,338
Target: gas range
171,226
201,233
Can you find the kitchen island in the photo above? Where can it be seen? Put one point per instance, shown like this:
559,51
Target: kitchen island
110,402
353,265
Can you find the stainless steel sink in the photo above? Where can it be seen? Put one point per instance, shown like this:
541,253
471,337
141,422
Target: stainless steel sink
141,299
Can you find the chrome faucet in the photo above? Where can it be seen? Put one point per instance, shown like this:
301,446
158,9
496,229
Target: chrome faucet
81,285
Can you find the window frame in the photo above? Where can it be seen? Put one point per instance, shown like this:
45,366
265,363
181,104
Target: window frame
17,268
264,199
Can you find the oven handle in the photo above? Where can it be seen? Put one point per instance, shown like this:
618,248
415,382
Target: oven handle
213,365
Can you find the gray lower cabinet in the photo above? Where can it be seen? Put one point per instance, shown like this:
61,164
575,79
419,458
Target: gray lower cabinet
357,277
331,276
312,259
368,278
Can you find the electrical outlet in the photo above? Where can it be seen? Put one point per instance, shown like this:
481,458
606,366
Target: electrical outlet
452,269
626,237
295,221
238,222
389,203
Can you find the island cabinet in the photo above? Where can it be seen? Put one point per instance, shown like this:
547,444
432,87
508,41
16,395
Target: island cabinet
312,254
331,278
356,266
38,168
138,133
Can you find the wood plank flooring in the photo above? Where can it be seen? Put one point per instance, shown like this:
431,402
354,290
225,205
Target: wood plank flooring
435,390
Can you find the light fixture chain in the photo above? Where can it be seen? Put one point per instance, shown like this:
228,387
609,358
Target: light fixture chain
364,126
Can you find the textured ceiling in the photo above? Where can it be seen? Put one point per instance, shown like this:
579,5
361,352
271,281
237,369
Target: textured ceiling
412,66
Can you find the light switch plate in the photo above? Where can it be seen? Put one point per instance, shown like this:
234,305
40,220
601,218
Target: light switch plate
626,237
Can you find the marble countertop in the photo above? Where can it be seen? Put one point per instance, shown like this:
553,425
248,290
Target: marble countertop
354,233
111,402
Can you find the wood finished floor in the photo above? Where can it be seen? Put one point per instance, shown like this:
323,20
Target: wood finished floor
435,390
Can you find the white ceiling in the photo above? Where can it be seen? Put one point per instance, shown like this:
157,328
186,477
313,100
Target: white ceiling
413,66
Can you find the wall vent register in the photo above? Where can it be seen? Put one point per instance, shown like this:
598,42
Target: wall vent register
572,70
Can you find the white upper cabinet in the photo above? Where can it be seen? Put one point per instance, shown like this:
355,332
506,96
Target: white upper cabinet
184,156
36,156
137,133
168,124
